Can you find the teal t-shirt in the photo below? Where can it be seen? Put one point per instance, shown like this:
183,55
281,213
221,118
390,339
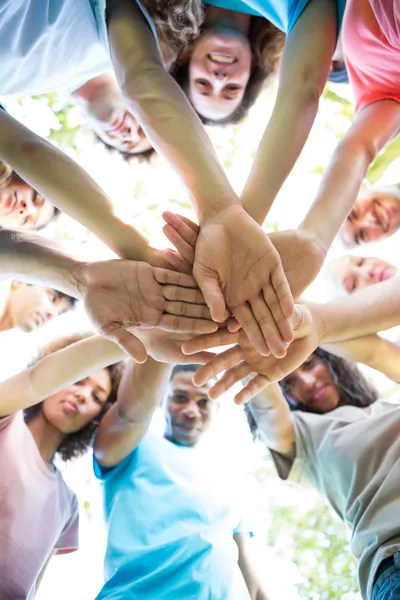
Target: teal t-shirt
170,527
282,13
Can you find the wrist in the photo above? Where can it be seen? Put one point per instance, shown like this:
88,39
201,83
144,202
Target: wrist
217,205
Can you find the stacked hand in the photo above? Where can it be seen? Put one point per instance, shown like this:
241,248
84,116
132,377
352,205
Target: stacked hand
122,295
237,267
243,359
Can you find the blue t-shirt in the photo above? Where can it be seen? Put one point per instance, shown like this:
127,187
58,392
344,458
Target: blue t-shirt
48,45
170,527
281,13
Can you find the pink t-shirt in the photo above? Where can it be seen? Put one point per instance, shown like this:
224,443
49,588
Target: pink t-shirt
38,511
371,47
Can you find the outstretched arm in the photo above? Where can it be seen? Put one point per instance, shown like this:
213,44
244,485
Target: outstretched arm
371,350
372,128
163,110
304,70
56,371
62,181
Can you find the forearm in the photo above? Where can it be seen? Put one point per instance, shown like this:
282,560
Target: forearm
280,147
56,371
272,416
34,259
62,181
367,311
373,127
371,350
164,112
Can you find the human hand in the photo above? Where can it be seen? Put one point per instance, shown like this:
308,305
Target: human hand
122,295
166,347
234,258
242,360
301,255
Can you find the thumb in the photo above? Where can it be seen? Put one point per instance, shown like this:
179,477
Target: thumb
213,298
130,344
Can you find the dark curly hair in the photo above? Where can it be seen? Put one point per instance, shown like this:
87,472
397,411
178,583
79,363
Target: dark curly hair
267,44
8,176
353,387
77,443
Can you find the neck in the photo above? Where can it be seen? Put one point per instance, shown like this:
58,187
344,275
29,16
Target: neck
91,89
46,436
6,321
228,17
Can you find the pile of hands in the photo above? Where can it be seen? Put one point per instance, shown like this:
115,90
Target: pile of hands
228,283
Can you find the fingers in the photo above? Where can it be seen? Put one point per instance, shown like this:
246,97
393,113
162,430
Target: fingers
246,319
199,358
175,261
251,389
283,293
276,329
222,337
229,379
213,297
221,362
179,294
129,343
167,277
187,229
180,324
183,247
185,309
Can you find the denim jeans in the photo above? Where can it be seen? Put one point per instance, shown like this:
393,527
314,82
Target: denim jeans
387,586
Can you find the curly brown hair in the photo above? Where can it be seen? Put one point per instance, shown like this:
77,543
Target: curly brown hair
353,387
77,443
267,44
8,177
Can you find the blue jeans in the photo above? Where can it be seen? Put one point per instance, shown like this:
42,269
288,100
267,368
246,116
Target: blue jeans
387,586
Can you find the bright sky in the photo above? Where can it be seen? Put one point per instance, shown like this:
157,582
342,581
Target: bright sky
141,192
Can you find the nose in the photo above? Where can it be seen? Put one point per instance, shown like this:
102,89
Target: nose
192,410
307,380
81,393
25,206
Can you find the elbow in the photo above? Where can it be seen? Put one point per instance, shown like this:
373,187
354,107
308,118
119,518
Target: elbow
356,151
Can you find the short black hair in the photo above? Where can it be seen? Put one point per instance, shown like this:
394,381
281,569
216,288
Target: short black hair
191,368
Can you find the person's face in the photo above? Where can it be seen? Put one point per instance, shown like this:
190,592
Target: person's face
219,70
312,386
375,215
22,208
72,408
360,272
108,116
188,410
32,305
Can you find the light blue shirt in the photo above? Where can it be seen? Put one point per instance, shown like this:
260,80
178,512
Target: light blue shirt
281,13
170,527
48,45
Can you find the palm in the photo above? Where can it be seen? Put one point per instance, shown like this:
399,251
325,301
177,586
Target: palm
235,251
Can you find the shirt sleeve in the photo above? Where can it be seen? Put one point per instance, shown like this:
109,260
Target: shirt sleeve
69,539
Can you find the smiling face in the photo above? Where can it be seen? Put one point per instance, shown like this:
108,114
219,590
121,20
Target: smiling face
72,408
375,215
219,71
30,306
188,410
356,272
109,117
312,386
21,207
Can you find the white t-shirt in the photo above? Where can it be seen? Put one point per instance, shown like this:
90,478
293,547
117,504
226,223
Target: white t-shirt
49,45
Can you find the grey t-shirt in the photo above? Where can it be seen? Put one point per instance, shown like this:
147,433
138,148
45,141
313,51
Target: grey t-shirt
352,457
